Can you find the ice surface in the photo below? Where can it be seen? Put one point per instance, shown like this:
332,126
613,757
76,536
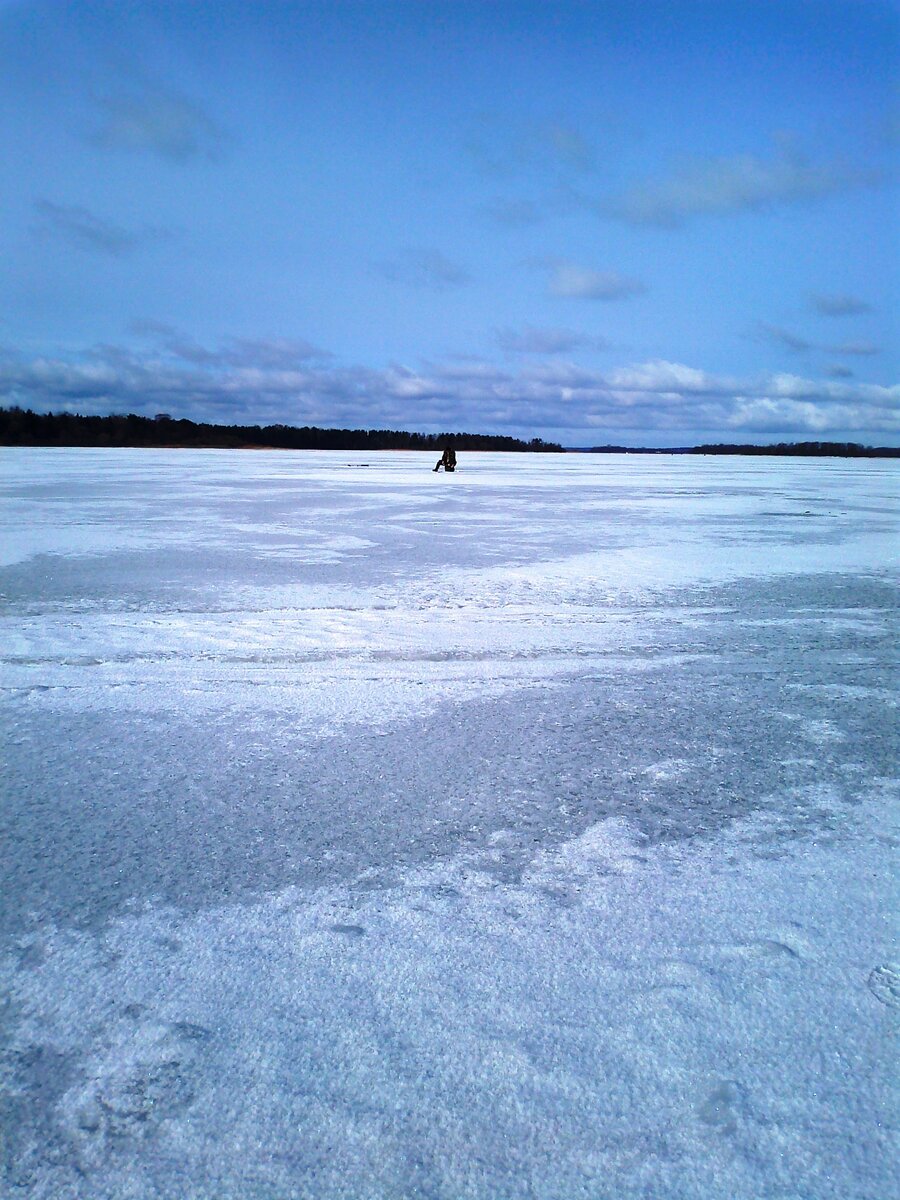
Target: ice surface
524,832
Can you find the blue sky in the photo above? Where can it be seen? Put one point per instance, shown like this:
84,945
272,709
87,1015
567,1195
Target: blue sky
653,223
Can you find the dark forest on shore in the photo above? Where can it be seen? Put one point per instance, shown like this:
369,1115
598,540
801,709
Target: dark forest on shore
22,427
779,449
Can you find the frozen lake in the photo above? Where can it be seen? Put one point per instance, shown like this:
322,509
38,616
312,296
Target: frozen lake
520,833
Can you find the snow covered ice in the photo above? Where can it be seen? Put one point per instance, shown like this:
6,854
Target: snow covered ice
372,833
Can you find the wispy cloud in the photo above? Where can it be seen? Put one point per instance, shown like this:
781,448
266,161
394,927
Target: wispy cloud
784,337
253,353
515,213
863,349
548,149
424,268
566,144
272,353
732,184
800,345
149,118
538,166
531,340
839,305
585,283
151,328
85,229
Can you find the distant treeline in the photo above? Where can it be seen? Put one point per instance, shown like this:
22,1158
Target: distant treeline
806,449
22,427
800,449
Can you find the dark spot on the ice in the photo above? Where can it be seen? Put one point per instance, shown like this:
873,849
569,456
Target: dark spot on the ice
352,931
169,943
884,984
35,1077
144,1096
444,891
376,882
39,1069
33,953
191,1032
560,896
505,873
89,1118
723,1106
134,1011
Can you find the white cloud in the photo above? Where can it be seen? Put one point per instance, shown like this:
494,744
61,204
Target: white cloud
641,403
661,376
584,283
772,415
741,182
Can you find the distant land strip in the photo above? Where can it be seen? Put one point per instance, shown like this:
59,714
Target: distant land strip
22,427
795,449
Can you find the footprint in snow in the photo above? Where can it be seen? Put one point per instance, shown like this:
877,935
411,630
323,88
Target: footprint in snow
884,984
674,976
764,950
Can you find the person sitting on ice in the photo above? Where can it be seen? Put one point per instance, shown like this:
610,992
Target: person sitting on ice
447,460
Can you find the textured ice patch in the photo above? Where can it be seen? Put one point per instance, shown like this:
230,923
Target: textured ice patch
375,835
608,847
444,1033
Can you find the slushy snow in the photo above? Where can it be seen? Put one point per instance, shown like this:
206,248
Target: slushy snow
521,833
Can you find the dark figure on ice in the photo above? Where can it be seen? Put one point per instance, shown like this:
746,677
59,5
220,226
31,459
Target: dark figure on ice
447,460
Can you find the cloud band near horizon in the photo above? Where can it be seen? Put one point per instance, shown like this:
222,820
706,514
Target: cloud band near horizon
260,383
